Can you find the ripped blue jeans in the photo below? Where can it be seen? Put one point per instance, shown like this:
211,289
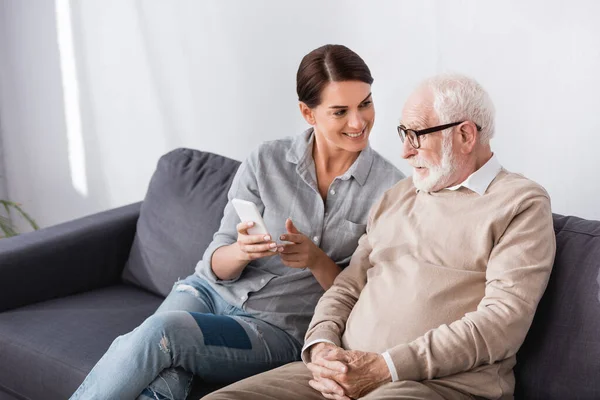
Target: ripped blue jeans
193,332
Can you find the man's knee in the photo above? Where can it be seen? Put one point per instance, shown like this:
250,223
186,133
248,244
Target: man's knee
288,382
413,390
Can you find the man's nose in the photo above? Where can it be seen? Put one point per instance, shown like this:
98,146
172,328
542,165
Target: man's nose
407,149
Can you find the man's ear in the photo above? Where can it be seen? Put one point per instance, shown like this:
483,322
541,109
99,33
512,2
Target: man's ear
307,113
468,136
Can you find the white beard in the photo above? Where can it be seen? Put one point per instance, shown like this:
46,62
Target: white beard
438,174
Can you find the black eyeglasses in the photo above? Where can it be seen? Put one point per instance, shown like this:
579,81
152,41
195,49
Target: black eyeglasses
413,135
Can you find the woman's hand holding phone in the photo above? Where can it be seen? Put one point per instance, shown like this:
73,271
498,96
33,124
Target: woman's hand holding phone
254,246
253,238
255,242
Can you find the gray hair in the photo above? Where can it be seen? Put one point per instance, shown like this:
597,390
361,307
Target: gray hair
460,98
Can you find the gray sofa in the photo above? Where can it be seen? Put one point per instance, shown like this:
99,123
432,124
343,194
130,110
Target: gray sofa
67,291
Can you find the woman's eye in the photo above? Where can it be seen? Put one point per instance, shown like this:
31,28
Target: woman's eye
366,104
340,113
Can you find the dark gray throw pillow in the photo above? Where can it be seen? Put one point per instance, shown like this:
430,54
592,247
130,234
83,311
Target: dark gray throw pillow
560,358
181,212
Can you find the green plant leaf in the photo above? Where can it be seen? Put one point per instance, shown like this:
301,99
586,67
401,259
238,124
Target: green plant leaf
6,227
5,204
26,216
5,224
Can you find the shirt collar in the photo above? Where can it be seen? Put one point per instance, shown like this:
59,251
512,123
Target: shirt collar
301,147
301,153
480,180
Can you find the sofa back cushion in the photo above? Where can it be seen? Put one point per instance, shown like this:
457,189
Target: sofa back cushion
560,358
179,215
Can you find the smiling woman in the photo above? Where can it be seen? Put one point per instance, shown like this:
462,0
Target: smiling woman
246,308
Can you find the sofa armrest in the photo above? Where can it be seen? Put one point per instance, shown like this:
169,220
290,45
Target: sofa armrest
69,258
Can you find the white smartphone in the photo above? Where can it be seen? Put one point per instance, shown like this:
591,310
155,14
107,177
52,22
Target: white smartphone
247,211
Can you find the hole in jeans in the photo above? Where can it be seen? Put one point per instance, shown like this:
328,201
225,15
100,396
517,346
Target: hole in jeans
164,345
188,289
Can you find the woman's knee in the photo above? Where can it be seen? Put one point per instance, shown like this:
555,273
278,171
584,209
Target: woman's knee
163,326
159,331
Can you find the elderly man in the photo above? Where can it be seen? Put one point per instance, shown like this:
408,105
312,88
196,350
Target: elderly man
443,286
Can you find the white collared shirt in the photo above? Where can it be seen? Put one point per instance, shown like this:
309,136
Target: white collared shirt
480,180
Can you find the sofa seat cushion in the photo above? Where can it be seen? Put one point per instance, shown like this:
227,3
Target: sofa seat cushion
560,358
179,216
47,349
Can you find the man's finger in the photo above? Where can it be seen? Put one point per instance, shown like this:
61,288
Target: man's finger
326,386
334,396
320,349
319,371
333,365
337,354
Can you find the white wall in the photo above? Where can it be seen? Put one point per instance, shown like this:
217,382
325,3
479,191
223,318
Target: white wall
3,190
220,76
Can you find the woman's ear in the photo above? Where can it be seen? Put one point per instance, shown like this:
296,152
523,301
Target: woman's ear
307,113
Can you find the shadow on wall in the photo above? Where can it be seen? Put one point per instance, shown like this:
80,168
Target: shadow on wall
45,170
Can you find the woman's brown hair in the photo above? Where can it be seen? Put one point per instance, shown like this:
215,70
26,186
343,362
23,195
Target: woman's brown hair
329,63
